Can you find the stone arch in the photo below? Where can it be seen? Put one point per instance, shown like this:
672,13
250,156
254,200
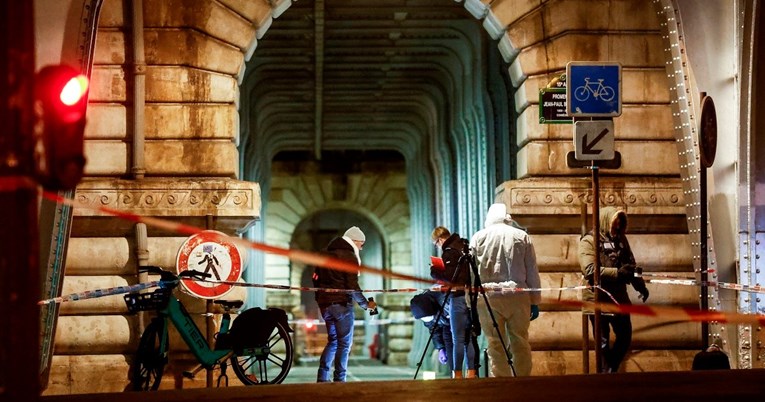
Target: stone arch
224,36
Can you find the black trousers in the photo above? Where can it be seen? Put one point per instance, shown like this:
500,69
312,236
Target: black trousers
613,354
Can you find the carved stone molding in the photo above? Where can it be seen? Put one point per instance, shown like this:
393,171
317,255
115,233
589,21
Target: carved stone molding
553,196
229,204
172,197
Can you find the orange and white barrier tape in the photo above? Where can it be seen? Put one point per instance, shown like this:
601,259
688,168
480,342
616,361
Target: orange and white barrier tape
679,314
315,259
92,294
438,288
681,280
311,323
676,313
15,183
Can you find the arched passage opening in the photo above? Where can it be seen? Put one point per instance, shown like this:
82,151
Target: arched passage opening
314,234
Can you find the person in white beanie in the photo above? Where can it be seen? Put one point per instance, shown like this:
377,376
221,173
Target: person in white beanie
506,258
337,307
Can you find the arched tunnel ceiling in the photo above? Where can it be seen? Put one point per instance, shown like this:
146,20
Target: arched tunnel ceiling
363,75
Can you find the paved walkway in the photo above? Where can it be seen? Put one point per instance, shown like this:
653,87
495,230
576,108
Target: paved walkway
358,370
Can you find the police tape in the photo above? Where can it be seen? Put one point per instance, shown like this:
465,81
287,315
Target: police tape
96,293
309,323
680,280
676,313
437,288
15,183
340,265
305,288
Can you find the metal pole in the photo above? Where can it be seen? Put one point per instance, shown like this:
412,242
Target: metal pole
703,253
19,261
596,273
585,319
209,321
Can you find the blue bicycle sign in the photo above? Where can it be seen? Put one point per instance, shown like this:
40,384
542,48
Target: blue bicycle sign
595,89
604,92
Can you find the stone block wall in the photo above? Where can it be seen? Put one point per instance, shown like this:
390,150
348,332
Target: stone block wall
191,129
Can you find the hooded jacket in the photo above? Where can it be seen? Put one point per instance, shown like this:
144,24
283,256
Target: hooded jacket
505,253
615,252
341,248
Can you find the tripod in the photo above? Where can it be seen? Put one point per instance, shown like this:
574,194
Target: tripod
473,334
473,292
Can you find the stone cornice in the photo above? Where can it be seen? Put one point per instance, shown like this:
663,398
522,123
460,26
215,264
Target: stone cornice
556,196
171,197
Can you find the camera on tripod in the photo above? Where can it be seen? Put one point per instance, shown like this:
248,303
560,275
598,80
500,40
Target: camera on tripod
374,310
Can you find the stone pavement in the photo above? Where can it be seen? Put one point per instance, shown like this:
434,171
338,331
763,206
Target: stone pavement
358,370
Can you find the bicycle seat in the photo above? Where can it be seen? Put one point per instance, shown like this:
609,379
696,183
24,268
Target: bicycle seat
229,304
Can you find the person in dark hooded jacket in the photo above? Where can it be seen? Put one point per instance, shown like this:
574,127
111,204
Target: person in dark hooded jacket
456,272
337,307
617,270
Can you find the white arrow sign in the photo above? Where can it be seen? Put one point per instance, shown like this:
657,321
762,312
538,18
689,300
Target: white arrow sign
594,140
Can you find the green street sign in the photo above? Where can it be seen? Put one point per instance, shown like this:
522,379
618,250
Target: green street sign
552,106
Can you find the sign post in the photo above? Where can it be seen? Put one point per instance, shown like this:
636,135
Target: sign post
594,91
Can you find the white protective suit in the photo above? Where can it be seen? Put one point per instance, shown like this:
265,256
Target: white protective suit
506,258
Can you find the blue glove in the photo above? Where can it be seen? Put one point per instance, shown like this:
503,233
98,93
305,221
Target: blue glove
442,356
534,312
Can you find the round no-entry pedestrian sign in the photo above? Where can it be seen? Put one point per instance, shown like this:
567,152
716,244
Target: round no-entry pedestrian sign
211,252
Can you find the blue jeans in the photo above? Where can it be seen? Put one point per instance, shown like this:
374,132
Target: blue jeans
339,321
459,319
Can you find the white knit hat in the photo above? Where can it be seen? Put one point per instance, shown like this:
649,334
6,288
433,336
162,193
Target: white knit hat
354,233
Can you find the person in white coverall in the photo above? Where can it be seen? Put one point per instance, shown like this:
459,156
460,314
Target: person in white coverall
505,257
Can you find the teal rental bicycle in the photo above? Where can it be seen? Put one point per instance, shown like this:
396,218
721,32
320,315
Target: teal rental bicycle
257,344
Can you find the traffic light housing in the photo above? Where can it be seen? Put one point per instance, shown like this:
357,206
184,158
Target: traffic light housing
60,105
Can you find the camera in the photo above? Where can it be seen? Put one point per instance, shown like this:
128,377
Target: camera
373,311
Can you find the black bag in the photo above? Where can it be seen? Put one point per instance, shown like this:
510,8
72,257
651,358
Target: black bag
253,328
424,304
711,359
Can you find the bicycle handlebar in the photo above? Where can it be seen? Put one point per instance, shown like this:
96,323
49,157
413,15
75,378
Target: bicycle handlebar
168,276
190,273
153,269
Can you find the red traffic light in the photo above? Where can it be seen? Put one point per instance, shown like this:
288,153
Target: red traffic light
74,90
63,93
60,104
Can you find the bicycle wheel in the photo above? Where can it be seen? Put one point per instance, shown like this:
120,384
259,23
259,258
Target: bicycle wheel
149,363
607,94
268,363
582,93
